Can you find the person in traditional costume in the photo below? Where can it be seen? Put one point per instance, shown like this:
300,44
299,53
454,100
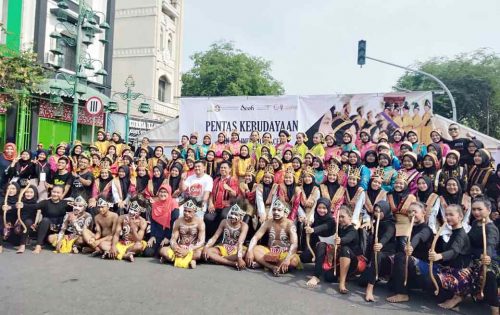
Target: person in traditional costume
318,149
234,146
427,196
265,192
390,174
451,169
281,253
267,142
289,193
365,143
284,138
244,161
437,138
205,146
426,125
430,166
300,148
332,190
397,140
104,225
279,172
123,189
102,143
482,169
219,146
254,144
417,147
409,162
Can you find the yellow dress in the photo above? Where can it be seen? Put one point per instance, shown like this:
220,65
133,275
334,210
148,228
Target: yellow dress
123,247
180,262
426,129
398,121
417,120
318,150
407,122
66,245
102,146
271,148
300,150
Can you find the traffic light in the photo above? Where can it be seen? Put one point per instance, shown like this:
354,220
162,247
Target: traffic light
361,52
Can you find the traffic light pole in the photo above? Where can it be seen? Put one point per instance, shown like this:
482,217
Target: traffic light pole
453,106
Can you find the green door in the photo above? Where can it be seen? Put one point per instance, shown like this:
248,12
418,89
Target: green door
53,132
2,131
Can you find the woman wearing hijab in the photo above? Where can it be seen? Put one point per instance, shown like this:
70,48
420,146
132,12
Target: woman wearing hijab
355,196
210,164
6,158
101,187
453,194
319,171
42,174
427,196
309,194
28,216
157,159
468,156
389,173
385,247
289,193
409,162
22,170
435,149
397,140
355,163
279,172
418,148
482,169
244,161
320,231
219,146
165,210
451,169
75,153
117,141
492,188
142,178
123,188
9,206
374,194
59,152
332,151
155,182
400,200
175,180
430,166
437,139
332,190
371,160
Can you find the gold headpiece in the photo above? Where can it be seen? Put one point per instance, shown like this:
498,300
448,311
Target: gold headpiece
142,163
269,170
290,170
236,211
103,203
355,172
379,172
250,170
333,169
402,176
190,204
81,201
308,171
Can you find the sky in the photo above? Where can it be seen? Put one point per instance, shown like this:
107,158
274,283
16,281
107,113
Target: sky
313,44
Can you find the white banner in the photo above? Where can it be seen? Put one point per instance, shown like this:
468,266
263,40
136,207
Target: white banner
326,113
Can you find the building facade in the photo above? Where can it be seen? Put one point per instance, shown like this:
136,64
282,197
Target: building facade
147,45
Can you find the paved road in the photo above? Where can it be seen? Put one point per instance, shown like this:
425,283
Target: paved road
76,284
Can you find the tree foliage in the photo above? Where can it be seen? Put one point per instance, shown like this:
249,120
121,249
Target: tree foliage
19,73
474,81
224,70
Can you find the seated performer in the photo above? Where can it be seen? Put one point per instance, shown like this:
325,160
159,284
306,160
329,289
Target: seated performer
417,254
280,255
187,240
70,237
105,223
230,251
129,232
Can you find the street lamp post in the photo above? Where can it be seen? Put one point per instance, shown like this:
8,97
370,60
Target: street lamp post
130,96
86,23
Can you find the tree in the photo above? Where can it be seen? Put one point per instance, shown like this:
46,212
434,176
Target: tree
224,70
473,79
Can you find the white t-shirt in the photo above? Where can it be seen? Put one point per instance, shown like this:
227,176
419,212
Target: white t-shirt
197,186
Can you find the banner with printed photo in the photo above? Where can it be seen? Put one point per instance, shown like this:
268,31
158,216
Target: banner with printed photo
329,114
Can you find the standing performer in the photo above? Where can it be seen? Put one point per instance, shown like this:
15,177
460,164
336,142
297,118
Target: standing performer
416,252
230,251
280,255
187,239
385,247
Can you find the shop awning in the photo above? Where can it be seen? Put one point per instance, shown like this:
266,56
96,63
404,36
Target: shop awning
63,88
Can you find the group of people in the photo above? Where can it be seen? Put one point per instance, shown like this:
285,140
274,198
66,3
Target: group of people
399,211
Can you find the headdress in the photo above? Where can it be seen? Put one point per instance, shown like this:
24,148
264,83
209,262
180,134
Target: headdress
355,172
250,170
415,105
287,134
333,169
235,132
208,135
413,155
80,201
236,211
281,206
62,144
298,157
454,152
190,204
290,170
269,170
308,171
77,142
101,130
383,145
408,144
378,172
303,135
103,203
402,176
194,135
135,208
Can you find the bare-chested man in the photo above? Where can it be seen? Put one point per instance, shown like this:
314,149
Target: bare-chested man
129,232
187,240
280,255
234,231
105,223
70,237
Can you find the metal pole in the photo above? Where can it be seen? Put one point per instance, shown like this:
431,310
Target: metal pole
127,118
74,121
453,106
93,129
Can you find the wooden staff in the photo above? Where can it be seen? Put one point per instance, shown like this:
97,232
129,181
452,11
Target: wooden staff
21,194
431,263
5,211
485,268
408,243
335,244
308,243
375,242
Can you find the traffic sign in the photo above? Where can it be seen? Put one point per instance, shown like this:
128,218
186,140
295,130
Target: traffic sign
94,106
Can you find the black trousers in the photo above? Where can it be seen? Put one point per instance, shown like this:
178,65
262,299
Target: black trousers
212,221
415,279
43,231
384,268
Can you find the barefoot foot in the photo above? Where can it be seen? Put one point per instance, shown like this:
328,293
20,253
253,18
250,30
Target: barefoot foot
192,264
312,283
398,298
37,249
21,249
451,303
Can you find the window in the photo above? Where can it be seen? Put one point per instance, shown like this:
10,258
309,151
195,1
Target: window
162,40
164,90
69,53
3,19
169,46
